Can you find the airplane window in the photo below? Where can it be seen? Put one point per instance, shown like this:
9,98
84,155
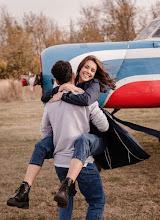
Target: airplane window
148,30
157,33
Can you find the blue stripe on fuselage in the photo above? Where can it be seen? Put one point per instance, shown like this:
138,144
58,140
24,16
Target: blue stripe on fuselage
141,66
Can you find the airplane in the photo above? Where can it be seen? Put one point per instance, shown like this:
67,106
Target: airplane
136,65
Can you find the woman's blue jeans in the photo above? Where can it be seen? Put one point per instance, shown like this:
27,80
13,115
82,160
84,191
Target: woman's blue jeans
85,146
43,150
90,185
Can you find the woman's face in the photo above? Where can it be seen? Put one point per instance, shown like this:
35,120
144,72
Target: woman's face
88,71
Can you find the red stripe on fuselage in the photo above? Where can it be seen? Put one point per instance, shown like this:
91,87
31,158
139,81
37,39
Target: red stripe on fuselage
142,94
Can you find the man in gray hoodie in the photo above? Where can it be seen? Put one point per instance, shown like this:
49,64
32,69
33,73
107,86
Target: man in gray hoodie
62,124
68,122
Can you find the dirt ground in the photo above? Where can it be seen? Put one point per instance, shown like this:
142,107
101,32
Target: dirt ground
132,192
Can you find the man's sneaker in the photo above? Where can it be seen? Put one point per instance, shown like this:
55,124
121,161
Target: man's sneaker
62,196
21,199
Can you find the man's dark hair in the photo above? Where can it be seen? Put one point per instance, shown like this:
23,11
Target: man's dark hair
62,71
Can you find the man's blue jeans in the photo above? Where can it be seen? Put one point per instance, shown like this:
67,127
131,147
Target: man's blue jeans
90,185
85,146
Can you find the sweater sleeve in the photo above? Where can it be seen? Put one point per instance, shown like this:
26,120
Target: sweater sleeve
98,118
46,128
87,98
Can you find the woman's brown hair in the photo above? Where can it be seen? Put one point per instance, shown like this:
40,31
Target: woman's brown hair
101,73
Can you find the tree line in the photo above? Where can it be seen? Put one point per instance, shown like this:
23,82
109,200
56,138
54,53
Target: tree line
22,40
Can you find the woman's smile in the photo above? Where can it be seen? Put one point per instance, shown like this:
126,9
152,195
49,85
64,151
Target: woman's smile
88,71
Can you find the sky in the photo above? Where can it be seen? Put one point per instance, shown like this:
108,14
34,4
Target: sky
59,10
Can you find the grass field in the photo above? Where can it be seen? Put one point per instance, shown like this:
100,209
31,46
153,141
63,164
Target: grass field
132,193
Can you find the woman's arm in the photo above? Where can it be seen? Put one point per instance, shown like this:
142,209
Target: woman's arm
90,95
49,94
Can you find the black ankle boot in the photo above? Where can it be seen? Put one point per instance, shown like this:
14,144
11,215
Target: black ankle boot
62,196
21,199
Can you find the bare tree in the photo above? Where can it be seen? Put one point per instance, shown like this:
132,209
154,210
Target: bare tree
119,18
155,10
89,25
22,42
43,31
73,34
17,54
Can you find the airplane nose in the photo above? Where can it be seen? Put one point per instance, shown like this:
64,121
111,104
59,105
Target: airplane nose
24,82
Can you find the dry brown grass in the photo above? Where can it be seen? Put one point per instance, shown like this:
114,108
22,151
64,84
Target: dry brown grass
132,193
12,90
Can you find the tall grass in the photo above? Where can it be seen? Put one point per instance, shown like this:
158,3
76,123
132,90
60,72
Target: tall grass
132,192
12,90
